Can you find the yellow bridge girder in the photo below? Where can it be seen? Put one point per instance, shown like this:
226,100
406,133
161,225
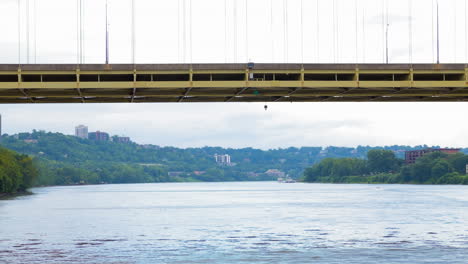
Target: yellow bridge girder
119,83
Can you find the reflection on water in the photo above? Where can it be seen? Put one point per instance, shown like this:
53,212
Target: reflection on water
236,223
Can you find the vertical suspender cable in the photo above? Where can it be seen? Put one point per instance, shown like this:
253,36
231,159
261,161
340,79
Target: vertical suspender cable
78,31
235,30
82,32
246,31
285,28
35,30
356,30
455,20
334,31
225,32
410,30
107,34
19,32
302,31
432,20
383,31
438,33
272,33
337,32
387,24
184,29
318,30
466,37
191,33
27,31
364,33
133,32
178,31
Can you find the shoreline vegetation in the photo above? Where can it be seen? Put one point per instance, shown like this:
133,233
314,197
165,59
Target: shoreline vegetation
17,172
54,159
382,167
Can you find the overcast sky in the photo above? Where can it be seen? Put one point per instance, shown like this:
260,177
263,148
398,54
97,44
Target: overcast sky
220,31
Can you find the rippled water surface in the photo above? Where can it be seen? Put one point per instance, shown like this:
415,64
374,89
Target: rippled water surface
255,222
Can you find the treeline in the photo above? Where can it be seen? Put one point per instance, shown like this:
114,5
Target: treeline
64,160
382,166
250,164
90,172
17,172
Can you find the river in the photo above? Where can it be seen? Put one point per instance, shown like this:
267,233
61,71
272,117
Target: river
251,222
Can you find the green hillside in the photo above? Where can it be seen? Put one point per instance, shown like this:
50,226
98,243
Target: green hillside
17,172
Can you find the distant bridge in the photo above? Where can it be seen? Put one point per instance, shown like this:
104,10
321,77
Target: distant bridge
170,83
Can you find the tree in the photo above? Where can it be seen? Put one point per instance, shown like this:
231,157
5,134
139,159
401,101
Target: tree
440,168
382,161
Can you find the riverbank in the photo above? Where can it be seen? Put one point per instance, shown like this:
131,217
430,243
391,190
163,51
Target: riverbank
7,196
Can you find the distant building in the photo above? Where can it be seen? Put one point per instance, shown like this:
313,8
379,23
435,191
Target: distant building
81,131
121,139
98,136
274,173
175,173
149,146
223,159
412,155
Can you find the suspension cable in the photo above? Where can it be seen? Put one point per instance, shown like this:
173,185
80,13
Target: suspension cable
432,18
438,36
178,31
334,31
387,24
235,30
364,33
225,31
337,30
286,28
133,32
455,20
82,32
27,31
19,32
466,35
318,30
356,30
78,13
246,31
272,38
184,29
383,30
410,30
302,31
191,33
35,30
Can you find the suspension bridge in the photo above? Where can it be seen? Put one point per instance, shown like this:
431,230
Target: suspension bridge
81,82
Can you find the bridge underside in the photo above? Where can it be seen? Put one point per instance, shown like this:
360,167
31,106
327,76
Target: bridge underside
144,83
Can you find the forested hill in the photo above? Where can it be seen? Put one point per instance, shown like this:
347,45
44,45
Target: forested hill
382,166
66,159
17,172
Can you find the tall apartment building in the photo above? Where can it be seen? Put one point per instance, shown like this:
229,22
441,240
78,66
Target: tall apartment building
98,136
223,159
81,131
412,155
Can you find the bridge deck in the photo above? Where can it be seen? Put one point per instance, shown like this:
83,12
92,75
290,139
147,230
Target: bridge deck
119,83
